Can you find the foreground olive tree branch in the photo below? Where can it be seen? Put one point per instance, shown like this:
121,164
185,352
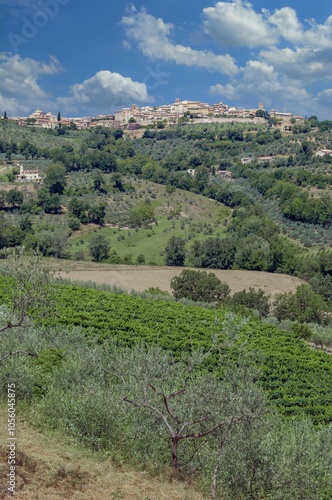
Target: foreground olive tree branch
147,377
18,352
31,291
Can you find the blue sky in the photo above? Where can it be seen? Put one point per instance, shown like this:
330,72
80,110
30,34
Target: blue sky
86,57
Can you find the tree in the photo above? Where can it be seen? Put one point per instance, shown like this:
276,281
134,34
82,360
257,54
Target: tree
55,179
53,243
74,224
11,149
50,203
97,213
15,236
3,231
304,306
59,116
199,286
5,115
175,251
262,113
33,151
215,253
253,253
140,259
253,300
187,403
14,198
3,198
143,213
117,133
99,183
170,189
117,181
325,125
32,293
26,225
78,207
99,247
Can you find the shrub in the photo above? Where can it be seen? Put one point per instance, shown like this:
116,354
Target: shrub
74,224
175,251
140,259
253,300
99,247
304,306
199,286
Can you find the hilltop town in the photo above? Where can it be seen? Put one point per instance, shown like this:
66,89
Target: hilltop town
135,117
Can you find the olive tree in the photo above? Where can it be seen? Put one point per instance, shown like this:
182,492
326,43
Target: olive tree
31,293
190,403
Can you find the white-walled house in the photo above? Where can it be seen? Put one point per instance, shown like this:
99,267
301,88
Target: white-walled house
28,175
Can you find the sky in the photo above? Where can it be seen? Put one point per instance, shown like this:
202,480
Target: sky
84,57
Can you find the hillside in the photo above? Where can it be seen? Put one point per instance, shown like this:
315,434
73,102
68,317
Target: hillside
179,327
179,214
257,199
109,370
51,466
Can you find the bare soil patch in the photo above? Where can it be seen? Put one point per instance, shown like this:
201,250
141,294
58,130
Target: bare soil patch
142,277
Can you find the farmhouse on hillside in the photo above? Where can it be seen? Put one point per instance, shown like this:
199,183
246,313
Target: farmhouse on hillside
28,175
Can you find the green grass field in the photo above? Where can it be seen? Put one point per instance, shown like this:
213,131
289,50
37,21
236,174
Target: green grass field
181,213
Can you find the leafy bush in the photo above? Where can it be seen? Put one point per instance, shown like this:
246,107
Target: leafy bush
74,224
175,253
304,306
253,300
143,213
199,286
99,247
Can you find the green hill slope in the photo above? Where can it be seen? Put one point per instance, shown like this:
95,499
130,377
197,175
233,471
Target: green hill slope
296,378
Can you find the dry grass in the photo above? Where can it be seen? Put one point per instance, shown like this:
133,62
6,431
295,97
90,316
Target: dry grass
143,277
49,467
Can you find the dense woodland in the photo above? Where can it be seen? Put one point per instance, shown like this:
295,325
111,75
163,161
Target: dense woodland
222,388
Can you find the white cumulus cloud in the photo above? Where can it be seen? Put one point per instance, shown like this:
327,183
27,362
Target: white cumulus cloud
305,64
229,91
153,38
104,92
236,24
324,100
20,90
260,83
291,56
290,28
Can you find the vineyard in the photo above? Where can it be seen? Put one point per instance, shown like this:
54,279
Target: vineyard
296,378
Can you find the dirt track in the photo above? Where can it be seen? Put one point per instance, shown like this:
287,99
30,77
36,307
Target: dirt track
142,277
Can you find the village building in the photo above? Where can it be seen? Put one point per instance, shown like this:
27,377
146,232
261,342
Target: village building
247,159
28,175
226,174
147,115
324,152
281,116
